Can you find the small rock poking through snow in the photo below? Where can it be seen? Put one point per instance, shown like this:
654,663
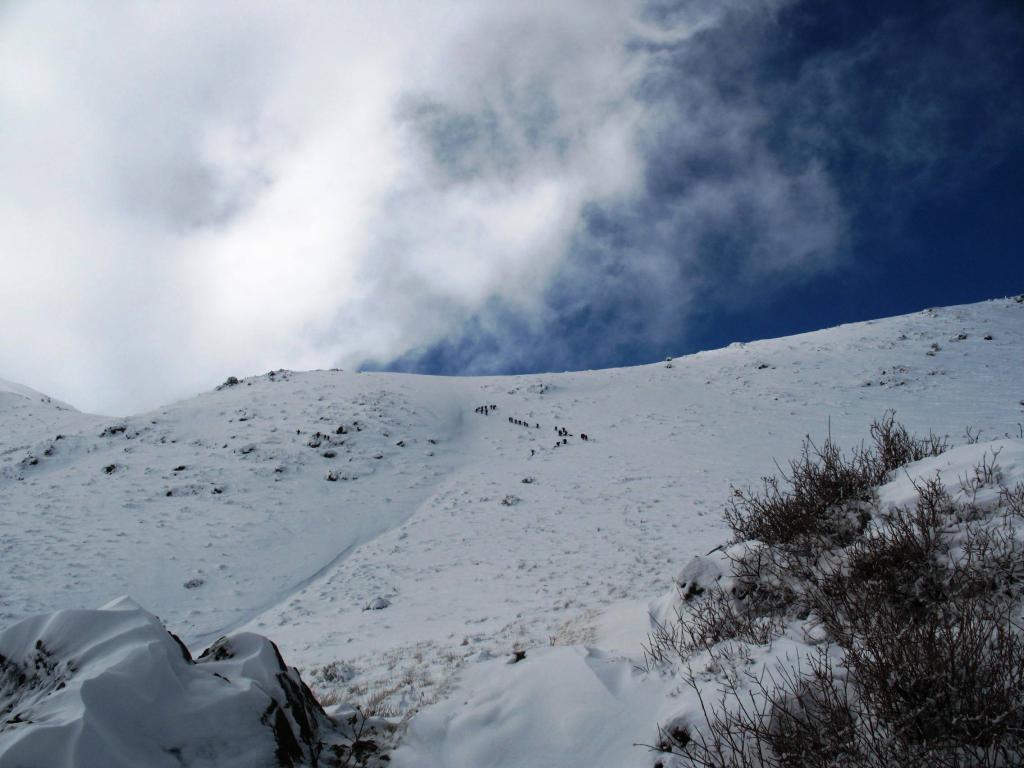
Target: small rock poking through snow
377,604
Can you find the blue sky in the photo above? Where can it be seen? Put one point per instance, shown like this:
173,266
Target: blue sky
915,111
194,190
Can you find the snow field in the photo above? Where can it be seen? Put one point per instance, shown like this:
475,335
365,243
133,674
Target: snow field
429,510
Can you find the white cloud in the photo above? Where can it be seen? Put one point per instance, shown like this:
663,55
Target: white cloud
190,190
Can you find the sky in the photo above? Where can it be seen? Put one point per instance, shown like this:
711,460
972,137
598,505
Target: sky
194,190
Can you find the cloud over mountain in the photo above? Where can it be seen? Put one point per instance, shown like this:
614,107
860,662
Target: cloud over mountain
191,190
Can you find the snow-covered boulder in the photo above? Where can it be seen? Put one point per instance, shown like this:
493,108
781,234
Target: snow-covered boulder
715,569
700,574
377,604
112,687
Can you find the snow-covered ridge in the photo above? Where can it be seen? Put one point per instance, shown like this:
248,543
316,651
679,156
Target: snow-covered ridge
289,503
11,388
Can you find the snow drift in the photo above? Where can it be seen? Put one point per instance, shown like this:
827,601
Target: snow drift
112,687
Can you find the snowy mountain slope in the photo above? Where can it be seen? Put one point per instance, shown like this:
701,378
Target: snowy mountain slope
610,520
191,493
587,707
217,513
28,414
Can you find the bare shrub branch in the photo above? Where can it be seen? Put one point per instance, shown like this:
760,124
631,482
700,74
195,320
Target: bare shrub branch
920,606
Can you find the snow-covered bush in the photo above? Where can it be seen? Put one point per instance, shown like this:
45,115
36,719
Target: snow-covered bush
820,502
898,599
